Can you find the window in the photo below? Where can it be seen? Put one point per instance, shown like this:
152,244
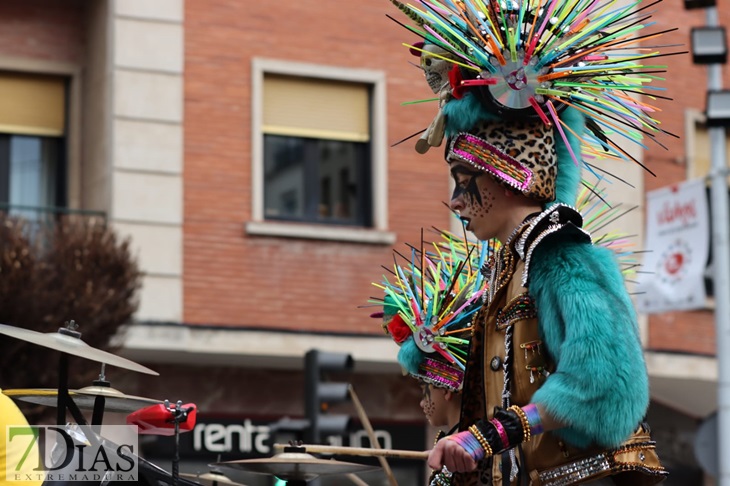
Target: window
316,150
697,146
316,180
318,161
32,121
31,174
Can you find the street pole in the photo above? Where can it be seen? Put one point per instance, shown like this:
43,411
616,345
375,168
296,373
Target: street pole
721,263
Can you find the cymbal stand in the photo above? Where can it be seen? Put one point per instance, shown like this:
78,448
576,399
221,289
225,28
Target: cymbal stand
97,415
179,415
296,482
64,399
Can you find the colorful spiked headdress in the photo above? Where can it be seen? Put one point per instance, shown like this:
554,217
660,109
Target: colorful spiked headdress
525,85
598,216
429,302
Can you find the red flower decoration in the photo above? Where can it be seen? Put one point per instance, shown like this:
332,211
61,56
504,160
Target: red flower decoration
455,79
398,329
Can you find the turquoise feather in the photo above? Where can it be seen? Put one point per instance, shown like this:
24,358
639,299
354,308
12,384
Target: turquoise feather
390,308
568,179
409,356
464,114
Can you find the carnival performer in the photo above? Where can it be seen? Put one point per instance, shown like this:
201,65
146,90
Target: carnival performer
556,388
428,304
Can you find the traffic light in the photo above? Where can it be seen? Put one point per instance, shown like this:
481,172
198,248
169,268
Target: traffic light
318,394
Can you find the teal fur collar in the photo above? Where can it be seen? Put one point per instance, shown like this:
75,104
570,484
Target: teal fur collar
600,387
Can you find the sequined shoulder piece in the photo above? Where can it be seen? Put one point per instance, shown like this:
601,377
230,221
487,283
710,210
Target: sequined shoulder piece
559,218
521,307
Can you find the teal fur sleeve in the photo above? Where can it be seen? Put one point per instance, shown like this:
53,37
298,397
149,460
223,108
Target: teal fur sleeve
600,387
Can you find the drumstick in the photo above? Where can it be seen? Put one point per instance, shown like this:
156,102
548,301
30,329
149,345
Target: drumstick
371,433
353,451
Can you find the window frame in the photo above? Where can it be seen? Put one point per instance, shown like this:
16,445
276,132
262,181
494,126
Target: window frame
258,225
72,147
692,120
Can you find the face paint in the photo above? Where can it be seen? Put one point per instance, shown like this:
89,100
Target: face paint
465,181
429,409
481,203
426,401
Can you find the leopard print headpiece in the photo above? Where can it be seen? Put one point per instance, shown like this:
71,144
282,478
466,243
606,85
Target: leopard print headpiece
519,155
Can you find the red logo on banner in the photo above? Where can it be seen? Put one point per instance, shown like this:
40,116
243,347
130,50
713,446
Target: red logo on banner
673,264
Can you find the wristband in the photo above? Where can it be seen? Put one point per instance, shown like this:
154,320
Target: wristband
533,417
502,433
505,430
469,443
482,440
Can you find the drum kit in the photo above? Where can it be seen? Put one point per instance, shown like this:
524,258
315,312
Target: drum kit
293,464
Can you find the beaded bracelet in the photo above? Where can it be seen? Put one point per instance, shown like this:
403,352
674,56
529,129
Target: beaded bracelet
482,440
526,432
533,417
469,443
502,433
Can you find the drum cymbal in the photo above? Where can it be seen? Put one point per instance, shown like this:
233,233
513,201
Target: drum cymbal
114,400
70,344
210,478
293,466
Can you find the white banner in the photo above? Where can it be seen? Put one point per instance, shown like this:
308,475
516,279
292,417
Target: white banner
677,240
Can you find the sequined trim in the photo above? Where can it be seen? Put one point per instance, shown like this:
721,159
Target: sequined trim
487,157
597,466
554,217
528,240
440,374
442,478
500,273
519,308
575,471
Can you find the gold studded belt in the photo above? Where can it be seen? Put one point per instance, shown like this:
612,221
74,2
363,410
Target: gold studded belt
634,463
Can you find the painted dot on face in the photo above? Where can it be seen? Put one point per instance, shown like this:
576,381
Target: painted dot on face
481,202
427,401
429,409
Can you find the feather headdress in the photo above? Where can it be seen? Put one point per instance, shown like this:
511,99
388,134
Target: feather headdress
429,303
